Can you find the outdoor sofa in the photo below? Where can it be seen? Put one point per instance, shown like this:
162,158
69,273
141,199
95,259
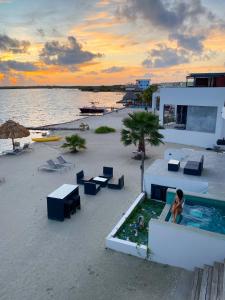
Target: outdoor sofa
194,167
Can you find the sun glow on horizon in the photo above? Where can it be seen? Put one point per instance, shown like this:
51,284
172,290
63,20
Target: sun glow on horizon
102,43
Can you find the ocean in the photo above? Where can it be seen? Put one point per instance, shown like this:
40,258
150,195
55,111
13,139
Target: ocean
38,107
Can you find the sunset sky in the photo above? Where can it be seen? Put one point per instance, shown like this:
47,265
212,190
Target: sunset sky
93,42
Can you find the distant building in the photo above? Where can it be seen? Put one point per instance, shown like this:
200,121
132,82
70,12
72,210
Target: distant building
195,114
143,84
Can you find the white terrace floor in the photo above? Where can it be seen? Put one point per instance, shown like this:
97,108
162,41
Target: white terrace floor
213,173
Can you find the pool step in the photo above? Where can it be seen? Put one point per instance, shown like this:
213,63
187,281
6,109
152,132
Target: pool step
209,282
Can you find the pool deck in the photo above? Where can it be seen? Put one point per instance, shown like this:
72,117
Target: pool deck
213,172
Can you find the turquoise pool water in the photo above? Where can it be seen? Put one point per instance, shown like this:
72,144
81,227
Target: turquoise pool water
206,216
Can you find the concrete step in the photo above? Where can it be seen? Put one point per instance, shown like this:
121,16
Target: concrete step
197,278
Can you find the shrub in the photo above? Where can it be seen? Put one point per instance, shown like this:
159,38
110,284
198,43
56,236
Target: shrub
104,129
74,142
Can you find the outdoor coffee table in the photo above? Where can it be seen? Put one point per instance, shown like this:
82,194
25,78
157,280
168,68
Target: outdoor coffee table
173,165
100,180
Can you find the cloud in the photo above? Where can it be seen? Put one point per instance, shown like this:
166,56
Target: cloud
41,32
113,69
8,44
164,14
190,42
163,56
6,66
71,53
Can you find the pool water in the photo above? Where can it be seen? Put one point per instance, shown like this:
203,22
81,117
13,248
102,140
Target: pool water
204,217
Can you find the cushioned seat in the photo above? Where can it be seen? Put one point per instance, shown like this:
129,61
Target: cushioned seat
81,178
91,188
107,172
116,184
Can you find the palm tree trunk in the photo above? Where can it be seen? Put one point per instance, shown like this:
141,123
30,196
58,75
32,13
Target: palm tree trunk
141,145
13,144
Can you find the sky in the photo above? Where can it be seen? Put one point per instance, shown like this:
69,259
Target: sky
102,42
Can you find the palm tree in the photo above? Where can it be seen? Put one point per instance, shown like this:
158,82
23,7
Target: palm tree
141,127
74,142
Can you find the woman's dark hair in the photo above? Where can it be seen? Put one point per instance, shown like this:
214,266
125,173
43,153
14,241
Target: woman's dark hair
180,194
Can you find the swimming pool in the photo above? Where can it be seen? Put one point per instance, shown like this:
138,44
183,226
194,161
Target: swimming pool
204,215
201,212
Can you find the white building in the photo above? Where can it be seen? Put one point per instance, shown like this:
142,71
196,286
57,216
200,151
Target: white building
194,115
143,84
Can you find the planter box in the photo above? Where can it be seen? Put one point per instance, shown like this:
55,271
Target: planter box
124,246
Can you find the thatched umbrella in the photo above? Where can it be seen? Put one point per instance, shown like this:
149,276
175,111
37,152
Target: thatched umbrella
13,130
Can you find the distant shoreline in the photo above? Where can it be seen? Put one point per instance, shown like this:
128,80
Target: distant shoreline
101,88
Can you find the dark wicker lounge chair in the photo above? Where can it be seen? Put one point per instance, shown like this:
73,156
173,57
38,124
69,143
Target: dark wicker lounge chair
194,167
116,184
91,188
107,172
81,178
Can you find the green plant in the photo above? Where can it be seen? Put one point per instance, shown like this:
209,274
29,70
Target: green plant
104,129
74,142
141,127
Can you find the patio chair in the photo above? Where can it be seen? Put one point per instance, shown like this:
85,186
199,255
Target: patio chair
81,179
91,188
63,162
107,172
116,184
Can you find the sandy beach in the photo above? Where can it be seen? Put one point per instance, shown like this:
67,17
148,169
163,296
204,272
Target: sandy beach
45,259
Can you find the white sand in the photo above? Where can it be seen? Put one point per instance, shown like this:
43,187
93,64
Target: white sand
45,259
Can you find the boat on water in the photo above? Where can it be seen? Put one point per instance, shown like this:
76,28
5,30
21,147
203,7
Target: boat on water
52,138
93,109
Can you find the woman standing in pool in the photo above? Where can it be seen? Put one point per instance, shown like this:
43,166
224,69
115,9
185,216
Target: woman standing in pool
177,205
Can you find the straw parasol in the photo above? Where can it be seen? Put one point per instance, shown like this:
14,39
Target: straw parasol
13,130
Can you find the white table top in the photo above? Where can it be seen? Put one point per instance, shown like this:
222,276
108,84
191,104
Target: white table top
174,162
102,179
63,191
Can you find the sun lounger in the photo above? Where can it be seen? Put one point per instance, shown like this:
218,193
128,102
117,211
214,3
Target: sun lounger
52,166
26,147
63,162
12,152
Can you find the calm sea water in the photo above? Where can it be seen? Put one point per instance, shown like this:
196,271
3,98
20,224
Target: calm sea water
37,107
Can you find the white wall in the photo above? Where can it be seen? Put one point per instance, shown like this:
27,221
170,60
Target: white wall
184,247
199,97
174,182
